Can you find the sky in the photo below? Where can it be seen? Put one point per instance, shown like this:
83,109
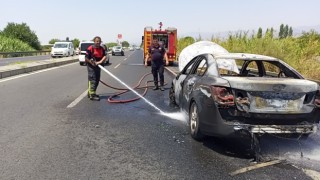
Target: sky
86,19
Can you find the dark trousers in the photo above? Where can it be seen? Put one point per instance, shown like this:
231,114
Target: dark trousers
158,69
94,73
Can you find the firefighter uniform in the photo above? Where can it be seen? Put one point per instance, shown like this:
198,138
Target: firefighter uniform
157,64
95,54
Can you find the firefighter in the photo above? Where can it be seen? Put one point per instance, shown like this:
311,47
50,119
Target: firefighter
95,55
157,54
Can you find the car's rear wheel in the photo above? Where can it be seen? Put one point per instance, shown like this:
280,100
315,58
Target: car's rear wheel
172,96
195,122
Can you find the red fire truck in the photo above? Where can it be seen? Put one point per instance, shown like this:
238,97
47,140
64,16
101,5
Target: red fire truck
167,38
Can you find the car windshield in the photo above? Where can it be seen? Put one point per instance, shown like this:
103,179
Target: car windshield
118,47
60,46
84,46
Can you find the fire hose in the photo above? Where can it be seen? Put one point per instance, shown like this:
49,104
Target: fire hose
125,90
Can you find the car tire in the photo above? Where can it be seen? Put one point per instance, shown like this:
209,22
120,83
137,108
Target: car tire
194,122
81,63
172,97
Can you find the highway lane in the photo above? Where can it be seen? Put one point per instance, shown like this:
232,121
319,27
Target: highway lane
40,138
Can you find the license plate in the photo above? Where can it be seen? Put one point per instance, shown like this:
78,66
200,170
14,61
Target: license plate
277,104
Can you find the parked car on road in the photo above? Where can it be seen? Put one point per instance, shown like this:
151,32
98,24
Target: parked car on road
260,95
117,50
62,49
106,48
83,46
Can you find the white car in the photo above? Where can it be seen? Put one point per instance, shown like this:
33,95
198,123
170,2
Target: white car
117,50
62,49
83,46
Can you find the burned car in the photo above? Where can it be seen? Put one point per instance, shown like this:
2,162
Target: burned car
231,92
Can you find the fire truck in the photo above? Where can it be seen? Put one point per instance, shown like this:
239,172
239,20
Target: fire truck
167,38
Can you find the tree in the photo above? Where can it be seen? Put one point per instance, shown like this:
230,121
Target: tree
189,39
281,33
271,33
268,33
199,38
259,34
125,44
23,33
286,31
52,41
76,42
290,32
111,44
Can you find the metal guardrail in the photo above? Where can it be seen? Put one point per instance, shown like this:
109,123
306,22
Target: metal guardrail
24,53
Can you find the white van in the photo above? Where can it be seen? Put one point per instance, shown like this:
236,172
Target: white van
62,49
83,46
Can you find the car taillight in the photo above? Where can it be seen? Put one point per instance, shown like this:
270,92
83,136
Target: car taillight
317,100
222,95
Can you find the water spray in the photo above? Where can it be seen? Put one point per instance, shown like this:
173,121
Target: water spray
177,116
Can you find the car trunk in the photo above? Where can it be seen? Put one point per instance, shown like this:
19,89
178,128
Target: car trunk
273,95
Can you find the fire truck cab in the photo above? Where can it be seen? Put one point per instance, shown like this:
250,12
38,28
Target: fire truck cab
167,38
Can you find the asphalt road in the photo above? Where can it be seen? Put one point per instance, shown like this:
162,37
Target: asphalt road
50,130
7,61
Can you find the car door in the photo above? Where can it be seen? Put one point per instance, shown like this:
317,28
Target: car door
180,79
189,83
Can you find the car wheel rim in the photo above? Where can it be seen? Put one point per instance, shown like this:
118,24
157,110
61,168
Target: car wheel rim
193,118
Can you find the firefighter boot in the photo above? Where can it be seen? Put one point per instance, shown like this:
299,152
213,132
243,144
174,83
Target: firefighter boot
156,87
94,97
161,85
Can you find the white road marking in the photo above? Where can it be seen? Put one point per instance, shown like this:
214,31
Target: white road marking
125,59
36,72
76,101
171,71
117,66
